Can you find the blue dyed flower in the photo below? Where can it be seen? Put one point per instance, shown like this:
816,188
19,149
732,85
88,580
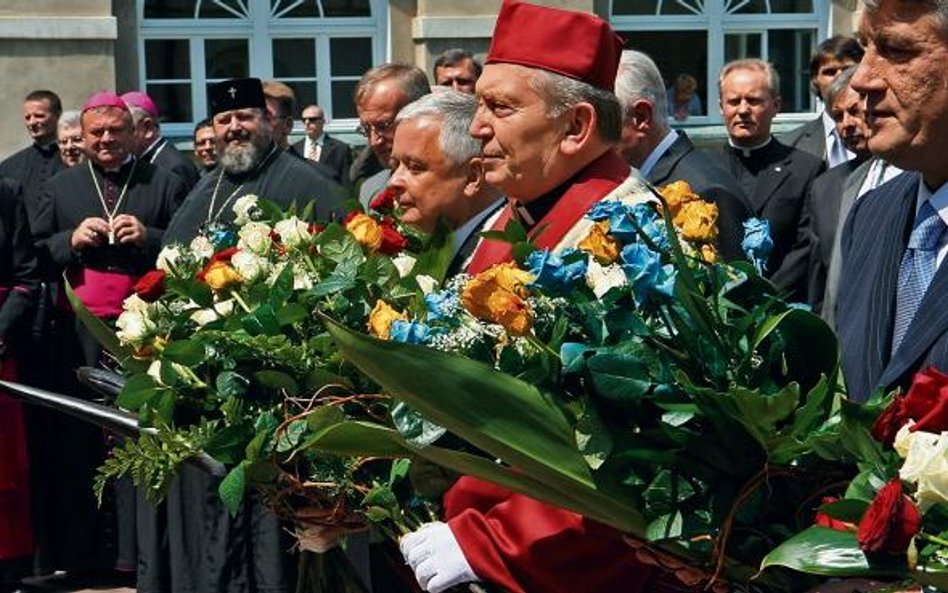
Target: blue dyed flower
647,276
757,244
552,272
409,332
442,304
222,238
606,209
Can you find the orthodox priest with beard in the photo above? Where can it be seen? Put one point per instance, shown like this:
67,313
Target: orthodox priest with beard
249,163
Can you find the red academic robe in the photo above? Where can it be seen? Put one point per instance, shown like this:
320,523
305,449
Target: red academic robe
520,543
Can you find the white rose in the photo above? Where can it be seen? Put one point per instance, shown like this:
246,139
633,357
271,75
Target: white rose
168,258
133,327
933,482
249,265
136,304
204,316
404,263
426,283
301,278
903,439
224,308
923,447
154,371
255,236
243,208
201,247
292,231
601,279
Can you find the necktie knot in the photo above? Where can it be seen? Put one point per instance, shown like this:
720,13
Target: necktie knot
928,229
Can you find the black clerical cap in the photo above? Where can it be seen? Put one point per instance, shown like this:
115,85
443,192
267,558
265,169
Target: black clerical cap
237,93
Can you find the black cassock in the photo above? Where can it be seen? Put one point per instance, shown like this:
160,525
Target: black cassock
31,167
163,154
73,534
194,545
280,178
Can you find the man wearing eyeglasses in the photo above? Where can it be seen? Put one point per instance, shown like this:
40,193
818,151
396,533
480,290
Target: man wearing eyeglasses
380,94
318,147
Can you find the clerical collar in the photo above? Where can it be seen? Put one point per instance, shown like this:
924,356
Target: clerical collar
658,152
531,213
152,152
114,170
47,148
748,151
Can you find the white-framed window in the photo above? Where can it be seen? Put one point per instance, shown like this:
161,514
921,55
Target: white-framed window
320,48
697,37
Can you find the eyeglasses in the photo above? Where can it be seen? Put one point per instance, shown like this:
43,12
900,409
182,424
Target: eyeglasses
380,128
312,120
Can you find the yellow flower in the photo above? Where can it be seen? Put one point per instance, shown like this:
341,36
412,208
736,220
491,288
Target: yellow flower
677,194
698,222
709,253
221,275
381,318
366,231
497,295
600,244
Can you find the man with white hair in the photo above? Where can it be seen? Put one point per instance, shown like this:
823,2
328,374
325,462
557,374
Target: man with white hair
151,146
69,138
249,162
435,175
663,155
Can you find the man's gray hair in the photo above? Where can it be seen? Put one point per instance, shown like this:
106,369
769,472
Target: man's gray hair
638,79
562,92
455,110
138,114
69,119
939,7
839,84
773,79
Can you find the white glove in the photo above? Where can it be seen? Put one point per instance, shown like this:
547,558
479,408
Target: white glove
434,555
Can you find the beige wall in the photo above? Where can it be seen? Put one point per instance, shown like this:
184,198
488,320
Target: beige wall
66,46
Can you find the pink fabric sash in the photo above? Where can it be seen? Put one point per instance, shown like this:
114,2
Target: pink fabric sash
101,292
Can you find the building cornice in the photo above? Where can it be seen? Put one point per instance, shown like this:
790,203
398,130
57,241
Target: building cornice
75,27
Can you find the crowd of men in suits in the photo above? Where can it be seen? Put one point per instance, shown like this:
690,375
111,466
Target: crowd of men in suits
99,191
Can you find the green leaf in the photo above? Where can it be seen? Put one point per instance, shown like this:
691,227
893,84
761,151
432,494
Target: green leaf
189,353
849,509
320,377
323,417
828,552
665,527
414,427
138,389
291,313
377,270
618,378
282,288
261,321
338,245
291,437
435,258
231,488
277,381
227,445
593,438
231,384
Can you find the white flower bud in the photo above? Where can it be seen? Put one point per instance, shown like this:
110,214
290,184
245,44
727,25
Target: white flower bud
293,231
404,263
249,265
244,207
168,259
255,237
202,247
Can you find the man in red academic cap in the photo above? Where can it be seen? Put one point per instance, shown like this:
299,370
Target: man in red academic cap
547,121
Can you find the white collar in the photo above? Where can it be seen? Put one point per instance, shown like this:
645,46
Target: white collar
747,150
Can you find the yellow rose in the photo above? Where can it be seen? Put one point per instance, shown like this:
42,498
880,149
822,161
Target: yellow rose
677,194
698,221
366,231
600,245
709,253
381,318
497,295
221,275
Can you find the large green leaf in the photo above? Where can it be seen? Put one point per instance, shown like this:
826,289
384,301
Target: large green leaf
102,333
828,552
505,417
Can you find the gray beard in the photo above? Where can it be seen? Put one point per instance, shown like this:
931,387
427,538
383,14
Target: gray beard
238,160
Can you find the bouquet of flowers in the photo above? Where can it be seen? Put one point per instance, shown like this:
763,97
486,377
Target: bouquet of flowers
892,521
632,379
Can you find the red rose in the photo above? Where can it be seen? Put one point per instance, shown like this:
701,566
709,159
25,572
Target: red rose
224,255
151,286
927,401
350,216
315,228
384,201
890,522
392,241
890,421
824,520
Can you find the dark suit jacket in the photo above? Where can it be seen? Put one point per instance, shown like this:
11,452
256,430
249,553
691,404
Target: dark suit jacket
682,161
810,138
778,197
335,155
163,154
873,242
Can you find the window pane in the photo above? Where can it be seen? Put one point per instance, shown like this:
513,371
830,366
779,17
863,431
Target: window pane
173,101
339,8
307,9
305,93
184,9
210,9
167,58
633,7
789,51
791,6
343,105
746,6
294,58
226,58
675,53
350,56
742,45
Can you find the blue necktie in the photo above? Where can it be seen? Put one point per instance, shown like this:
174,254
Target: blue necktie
918,268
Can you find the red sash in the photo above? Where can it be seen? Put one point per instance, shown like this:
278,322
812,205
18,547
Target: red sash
101,292
591,184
